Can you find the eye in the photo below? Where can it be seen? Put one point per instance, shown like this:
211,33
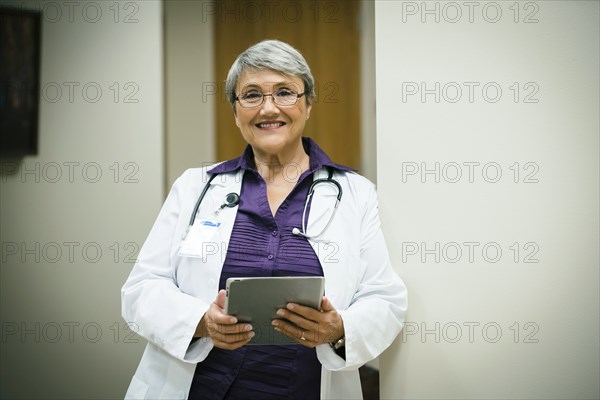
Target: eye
284,93
251,96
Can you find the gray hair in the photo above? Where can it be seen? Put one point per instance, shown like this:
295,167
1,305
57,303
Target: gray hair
274,55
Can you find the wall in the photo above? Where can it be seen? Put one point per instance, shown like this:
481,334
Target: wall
74,216
488,190
368,142
190,86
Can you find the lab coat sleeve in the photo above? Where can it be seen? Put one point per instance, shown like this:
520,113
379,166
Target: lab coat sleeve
151,300
376,313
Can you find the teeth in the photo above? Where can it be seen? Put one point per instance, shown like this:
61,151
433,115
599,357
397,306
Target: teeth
271,125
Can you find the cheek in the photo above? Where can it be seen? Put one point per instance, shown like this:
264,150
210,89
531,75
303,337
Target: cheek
242,120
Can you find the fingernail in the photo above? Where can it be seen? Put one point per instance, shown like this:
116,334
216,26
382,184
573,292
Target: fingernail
233,320
275,323
290,306
280,313
251,335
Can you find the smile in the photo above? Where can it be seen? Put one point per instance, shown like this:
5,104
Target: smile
267,125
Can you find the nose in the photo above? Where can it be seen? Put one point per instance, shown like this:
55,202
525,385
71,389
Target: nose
268,106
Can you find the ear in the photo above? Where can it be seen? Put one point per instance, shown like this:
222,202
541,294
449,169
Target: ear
308,108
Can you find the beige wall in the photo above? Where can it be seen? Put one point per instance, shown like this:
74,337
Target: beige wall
74,216
190,87
368,135
522,323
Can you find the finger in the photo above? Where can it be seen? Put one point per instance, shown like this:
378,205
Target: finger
218,317
297,319
229,329
215,314
295,332
303,311
233,337
299,336
290,330
226,336
229,344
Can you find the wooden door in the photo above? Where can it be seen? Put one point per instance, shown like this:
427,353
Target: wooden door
327,35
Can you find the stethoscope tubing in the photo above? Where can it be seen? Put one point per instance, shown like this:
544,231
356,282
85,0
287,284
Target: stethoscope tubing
200,198
311,191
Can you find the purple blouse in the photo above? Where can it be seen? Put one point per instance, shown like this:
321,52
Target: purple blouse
263,245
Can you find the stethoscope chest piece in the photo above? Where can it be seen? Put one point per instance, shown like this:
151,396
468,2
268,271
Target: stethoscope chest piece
231,200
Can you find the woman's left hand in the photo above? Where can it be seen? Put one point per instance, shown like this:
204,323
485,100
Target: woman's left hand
308,326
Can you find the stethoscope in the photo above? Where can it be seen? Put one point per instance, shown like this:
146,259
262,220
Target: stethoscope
233,199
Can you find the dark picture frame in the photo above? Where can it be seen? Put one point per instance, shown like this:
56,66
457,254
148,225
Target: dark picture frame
20,48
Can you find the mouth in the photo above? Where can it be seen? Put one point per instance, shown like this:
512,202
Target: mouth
270,124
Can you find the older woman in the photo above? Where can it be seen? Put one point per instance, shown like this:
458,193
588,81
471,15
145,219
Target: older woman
174,295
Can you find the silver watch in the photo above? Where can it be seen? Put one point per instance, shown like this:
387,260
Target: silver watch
339,343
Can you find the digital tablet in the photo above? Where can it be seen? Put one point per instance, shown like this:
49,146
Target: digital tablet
256,301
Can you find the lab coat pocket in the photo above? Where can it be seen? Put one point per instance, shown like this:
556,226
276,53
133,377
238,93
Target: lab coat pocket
137,389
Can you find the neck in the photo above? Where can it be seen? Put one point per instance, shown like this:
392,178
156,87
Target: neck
284,165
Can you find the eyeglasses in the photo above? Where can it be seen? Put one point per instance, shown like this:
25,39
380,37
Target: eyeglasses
282,97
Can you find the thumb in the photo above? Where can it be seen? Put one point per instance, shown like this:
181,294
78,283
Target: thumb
326,305
220,300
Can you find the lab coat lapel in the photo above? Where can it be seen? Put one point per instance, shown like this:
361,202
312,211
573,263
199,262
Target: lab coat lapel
327,246
222,185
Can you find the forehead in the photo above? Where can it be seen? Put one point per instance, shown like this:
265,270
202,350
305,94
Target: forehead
267,79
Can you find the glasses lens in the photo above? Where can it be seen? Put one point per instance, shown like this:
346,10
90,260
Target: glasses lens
282,98
285,97
251,99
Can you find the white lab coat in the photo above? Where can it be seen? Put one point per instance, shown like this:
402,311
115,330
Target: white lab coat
166,295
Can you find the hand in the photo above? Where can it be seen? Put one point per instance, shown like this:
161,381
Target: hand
308,326
223,329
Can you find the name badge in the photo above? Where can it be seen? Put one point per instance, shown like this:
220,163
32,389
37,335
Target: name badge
196,237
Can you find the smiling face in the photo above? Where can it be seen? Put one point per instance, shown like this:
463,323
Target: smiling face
270,129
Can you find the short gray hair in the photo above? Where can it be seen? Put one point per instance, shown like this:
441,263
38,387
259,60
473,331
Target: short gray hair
274,55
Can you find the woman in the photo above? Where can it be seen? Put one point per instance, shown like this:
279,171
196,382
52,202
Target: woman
175,295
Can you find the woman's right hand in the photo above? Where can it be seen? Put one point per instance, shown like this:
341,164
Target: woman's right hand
223,329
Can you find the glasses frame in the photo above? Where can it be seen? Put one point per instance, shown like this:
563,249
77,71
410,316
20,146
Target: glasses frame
264,96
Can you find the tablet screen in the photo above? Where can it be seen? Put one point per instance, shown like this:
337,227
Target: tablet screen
256,301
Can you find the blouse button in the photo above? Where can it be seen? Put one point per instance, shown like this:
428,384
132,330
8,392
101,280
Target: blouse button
270,256
274,233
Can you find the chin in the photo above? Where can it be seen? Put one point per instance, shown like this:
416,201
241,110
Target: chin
273,142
